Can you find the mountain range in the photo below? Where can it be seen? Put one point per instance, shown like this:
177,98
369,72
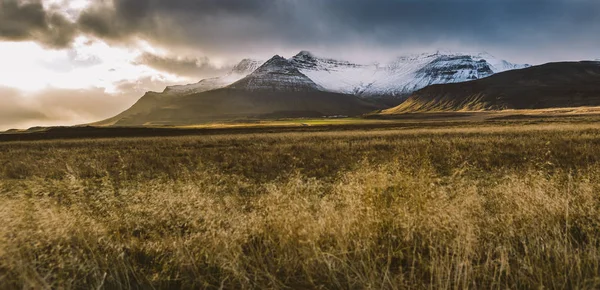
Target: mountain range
276,89
305,86
397,78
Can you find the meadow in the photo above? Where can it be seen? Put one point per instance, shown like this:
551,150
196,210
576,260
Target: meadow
488,206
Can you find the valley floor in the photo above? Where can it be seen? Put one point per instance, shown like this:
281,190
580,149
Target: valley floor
509,202
383,120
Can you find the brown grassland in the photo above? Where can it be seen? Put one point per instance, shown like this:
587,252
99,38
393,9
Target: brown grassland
492,205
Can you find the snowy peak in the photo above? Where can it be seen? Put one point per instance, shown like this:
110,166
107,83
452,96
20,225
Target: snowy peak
453,68
277,74
304,53
305,60
277,64
246,66
408,74
308,61
465,66
498,65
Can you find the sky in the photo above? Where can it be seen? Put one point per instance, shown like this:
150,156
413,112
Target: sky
65,62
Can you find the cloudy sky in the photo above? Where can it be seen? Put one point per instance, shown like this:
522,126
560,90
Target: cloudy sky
76,61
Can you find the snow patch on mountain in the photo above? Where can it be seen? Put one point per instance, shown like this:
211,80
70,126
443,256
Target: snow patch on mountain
335,75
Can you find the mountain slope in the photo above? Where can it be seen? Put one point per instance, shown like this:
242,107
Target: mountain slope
553,85
275,90
152,100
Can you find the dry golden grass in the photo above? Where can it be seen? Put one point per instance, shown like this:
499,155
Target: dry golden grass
477,112
482,207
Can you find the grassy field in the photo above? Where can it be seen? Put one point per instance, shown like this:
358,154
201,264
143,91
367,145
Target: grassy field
293,122
494,205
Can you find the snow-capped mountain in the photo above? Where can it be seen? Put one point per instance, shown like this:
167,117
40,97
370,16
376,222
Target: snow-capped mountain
277,74
401,76
277,89
396,78
306,86
242,69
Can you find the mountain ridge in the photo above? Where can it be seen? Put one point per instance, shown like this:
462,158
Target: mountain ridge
551,85
403,75
396,78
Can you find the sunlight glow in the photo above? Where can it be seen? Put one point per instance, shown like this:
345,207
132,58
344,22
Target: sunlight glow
89,63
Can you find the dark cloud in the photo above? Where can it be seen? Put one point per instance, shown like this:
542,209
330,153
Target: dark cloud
189,67
184,22
216,26
490,22
28,20
117,22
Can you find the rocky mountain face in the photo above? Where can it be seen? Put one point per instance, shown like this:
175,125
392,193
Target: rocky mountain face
277,74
